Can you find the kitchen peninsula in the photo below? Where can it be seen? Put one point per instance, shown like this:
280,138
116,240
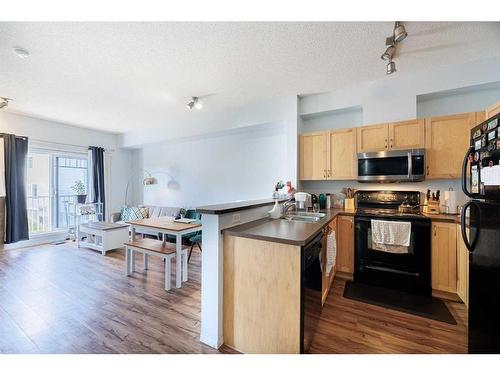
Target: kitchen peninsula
254,268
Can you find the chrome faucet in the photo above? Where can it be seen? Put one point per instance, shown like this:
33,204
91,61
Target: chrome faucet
287,205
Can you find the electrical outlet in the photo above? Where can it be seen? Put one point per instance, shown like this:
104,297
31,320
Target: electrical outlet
236,218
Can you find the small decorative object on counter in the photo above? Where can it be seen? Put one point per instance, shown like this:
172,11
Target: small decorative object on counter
322,201
328,200
79,189
279,185
275,213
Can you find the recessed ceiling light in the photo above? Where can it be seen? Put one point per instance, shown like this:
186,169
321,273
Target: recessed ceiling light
21,52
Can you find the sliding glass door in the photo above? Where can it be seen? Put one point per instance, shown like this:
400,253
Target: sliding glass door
50,180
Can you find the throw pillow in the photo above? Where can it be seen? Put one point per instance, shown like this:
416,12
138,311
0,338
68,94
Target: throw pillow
134,213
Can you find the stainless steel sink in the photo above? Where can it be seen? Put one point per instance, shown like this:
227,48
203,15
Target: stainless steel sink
309,217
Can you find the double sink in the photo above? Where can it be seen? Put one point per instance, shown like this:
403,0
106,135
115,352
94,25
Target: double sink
308,217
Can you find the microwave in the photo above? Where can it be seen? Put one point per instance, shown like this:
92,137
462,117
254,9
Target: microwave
392,166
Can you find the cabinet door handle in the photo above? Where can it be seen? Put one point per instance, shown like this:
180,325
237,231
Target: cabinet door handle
434,231
324,173
391,142
427,170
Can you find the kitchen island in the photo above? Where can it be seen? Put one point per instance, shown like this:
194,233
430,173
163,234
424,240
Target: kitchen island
263,266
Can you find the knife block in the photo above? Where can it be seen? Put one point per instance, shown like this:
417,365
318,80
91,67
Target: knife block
433,207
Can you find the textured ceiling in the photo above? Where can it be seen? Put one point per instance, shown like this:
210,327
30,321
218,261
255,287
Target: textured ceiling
120,77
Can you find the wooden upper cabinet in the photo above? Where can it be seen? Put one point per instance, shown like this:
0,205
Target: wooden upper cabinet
342,155
407,135
492,110
373,138
313,158
444,257
446,142
345,244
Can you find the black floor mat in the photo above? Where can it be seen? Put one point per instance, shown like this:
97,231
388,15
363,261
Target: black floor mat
425,306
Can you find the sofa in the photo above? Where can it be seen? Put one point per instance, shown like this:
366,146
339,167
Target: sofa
153,211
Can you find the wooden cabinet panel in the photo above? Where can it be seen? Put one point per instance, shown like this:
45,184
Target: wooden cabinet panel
462,268
444,257
446,141
373,138
328,279
407,134
345,244
492,110
342,155
313,156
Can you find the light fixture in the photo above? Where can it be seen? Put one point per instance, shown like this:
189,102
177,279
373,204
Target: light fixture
389,53
399,33
150,181
21,52
391,67
4,102
195,102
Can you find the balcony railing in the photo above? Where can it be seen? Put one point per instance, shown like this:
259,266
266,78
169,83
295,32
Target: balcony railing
47,213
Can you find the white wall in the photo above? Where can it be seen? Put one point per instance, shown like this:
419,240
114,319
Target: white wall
49,131
226,167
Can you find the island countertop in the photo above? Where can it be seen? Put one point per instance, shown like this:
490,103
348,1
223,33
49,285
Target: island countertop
224,208
283,231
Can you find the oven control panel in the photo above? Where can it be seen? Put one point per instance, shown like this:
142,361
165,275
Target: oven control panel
391,198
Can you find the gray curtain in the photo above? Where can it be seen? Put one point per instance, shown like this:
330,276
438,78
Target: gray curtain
16,216
97,177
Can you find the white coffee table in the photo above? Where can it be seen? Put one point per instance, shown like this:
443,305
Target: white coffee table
102,236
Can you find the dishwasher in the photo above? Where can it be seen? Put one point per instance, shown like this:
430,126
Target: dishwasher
311,289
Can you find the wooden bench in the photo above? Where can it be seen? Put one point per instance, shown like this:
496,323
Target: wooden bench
164,250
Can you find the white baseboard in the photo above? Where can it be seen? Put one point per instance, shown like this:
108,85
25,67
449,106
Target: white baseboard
37,239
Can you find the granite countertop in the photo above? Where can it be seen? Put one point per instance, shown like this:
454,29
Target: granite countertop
224,208
284,231
448,218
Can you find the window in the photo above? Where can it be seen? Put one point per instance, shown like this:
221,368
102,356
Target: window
50,176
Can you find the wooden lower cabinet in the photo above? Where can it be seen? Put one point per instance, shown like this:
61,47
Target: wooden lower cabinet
444,257
327,278
345,246
462,268
261,296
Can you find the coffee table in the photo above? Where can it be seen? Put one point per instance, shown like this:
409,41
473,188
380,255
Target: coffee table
102,236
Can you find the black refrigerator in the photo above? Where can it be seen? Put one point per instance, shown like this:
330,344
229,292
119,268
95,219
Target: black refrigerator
480,222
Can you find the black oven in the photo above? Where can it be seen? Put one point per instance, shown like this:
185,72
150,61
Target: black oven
409,271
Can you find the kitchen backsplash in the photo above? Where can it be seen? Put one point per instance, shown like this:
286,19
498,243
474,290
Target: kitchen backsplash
318,187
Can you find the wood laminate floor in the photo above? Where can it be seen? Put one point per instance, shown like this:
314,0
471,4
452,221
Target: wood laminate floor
60,299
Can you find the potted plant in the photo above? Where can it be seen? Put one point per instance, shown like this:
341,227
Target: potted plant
79,189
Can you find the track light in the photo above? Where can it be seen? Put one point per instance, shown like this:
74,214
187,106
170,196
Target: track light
195,102
4,102
399,32
389,53
391,67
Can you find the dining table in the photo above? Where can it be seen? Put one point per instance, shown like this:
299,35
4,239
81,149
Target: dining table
167,226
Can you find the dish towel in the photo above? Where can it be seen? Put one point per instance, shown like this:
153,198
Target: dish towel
331,252
391,236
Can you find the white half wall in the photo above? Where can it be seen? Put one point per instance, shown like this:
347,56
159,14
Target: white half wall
239,165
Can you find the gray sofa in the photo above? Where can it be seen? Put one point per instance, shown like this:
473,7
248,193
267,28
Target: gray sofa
153,211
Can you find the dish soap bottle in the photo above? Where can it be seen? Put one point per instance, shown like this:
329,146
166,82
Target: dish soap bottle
275,213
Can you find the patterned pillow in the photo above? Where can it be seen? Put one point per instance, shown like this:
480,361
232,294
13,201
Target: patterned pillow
133,213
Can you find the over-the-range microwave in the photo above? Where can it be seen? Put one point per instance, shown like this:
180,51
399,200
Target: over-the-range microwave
392,166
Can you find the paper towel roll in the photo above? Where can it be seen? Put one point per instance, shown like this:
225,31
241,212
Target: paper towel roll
450,200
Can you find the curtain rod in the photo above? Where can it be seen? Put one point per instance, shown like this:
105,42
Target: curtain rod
17,136
67,144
